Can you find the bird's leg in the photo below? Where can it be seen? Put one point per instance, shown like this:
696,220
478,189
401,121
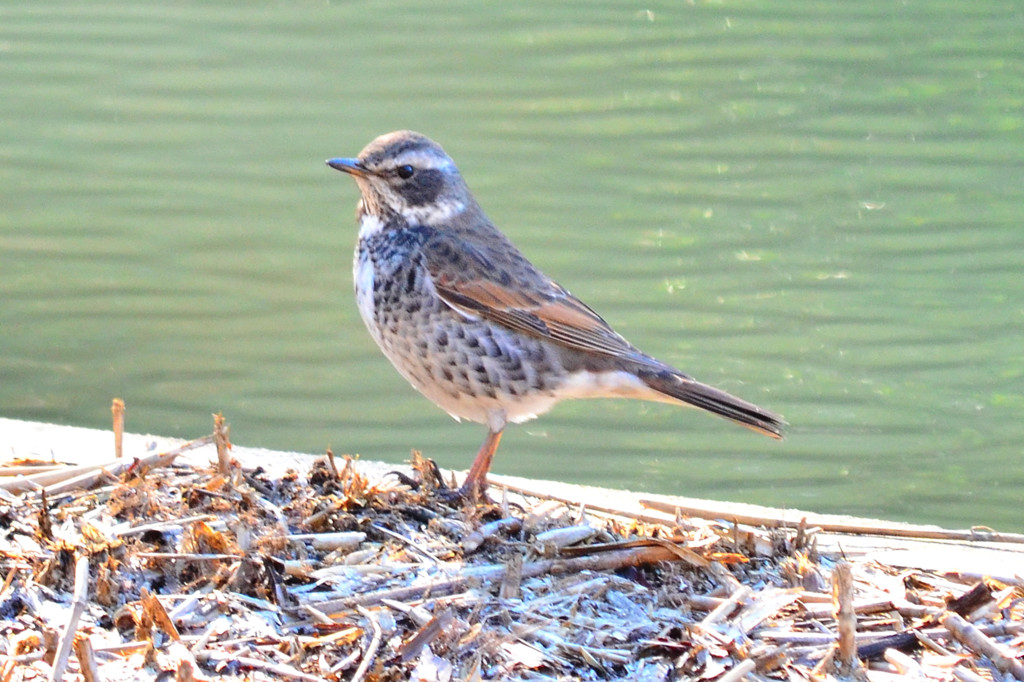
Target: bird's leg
476,481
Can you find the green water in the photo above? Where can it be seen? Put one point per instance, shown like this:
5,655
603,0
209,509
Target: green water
814,205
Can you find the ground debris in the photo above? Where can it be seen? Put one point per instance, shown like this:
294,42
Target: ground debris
147,569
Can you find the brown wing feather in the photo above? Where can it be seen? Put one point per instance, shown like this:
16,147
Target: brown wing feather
506,289
515,294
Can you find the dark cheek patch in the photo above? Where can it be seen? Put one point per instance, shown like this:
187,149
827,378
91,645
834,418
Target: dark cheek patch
424,188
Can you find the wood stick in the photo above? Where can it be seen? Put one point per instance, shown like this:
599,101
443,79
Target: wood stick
43,478
837,525
164,525
86,658
417,614
159,615
318,615
117,410
425,635
846,619
825,663
125,649
819,611
974,598
277,669
727,607
725,577
330,463
497,480
905,640
905,665
700,602
332,540
975,640
82,482
739,672
94,473
11,575
929,643
26,470
52,477
371,650
877,642
964,675
512,581
220,437
414,546
149,462
472,542
189,557
605,561
81,592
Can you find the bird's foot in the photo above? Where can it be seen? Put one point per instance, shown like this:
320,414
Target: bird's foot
469,494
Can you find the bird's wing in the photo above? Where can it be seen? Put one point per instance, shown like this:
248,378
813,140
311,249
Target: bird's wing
503,287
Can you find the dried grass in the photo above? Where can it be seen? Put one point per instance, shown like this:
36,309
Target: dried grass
144,569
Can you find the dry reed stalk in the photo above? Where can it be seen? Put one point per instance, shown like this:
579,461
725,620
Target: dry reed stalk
738,672
221,431
605,561
858,527
965,675
417,614
344,540
46,476
511,583
430,631
78,602
474,540
846,619
86,658
67,479
724,609
279,670
550,541
976,640
371,649
331,464
29,469
905,665
117,411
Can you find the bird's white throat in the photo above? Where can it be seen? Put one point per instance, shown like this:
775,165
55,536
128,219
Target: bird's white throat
369,224
433,214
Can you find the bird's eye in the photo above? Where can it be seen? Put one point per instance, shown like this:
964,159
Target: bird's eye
405,172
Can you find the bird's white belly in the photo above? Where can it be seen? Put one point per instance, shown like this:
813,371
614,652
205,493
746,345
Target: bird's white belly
363,275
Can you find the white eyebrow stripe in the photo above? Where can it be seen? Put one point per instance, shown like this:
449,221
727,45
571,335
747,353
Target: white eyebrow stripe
418,159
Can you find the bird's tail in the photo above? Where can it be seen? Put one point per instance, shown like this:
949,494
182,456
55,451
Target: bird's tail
678,386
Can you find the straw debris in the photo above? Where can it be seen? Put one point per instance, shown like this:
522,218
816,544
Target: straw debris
144,569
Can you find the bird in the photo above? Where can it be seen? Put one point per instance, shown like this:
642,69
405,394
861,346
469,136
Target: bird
472,324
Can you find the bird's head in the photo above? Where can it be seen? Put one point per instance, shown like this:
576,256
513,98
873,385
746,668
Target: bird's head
409,175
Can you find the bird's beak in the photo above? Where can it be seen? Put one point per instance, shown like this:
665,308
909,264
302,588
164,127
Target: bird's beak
350,166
